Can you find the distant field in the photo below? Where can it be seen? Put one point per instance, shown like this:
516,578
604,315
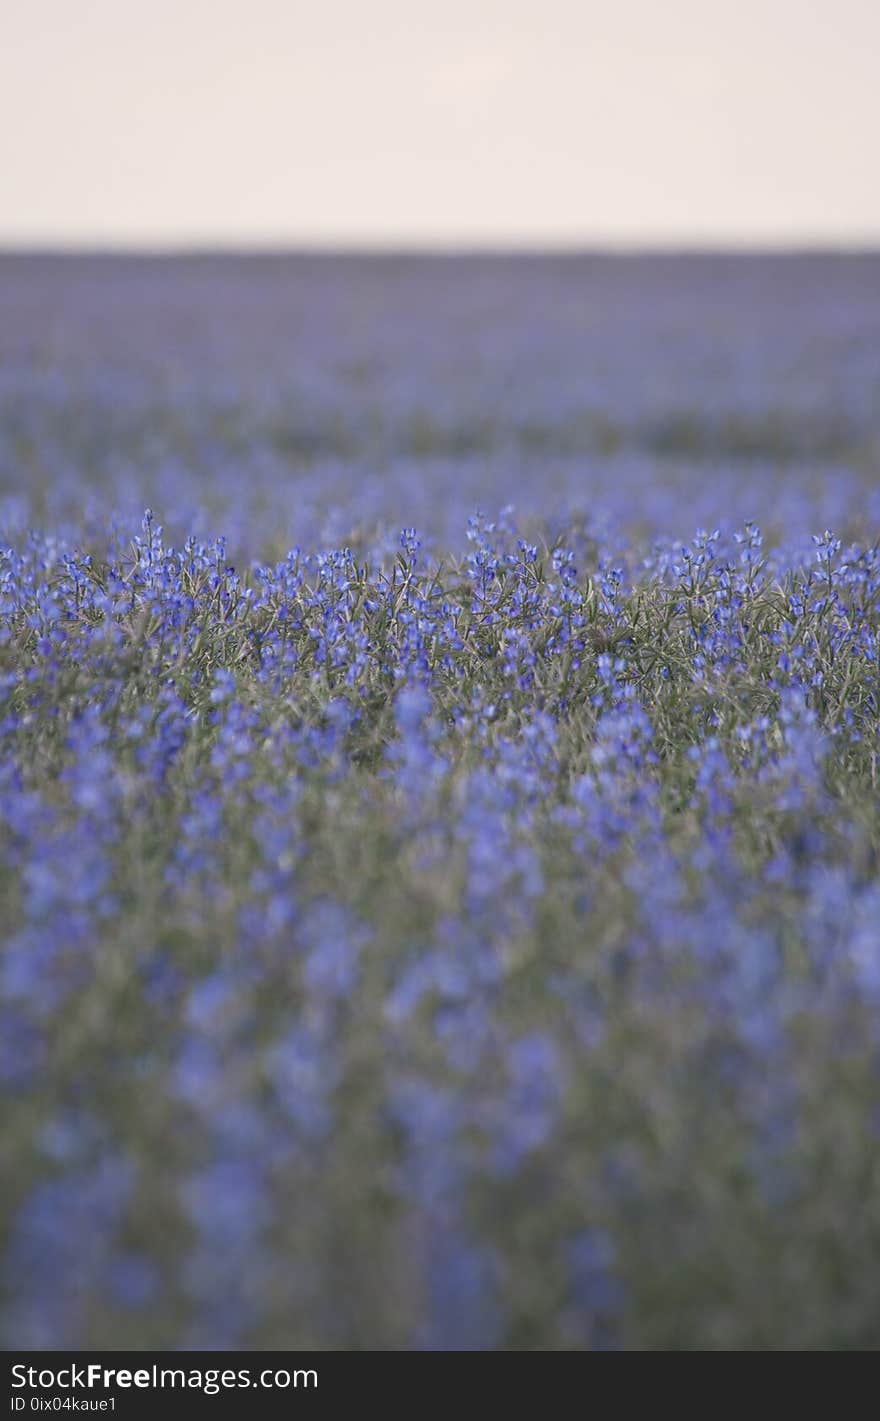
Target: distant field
439,837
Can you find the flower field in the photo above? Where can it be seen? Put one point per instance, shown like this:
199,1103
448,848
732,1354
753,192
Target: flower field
440,848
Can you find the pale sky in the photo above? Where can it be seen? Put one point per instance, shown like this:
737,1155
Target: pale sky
567,122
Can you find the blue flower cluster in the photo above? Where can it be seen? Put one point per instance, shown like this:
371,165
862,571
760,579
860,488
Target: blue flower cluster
386,957
458,939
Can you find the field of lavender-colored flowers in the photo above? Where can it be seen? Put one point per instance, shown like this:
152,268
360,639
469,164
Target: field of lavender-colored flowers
439,868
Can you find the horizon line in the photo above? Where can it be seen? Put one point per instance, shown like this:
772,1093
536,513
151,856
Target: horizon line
868,245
